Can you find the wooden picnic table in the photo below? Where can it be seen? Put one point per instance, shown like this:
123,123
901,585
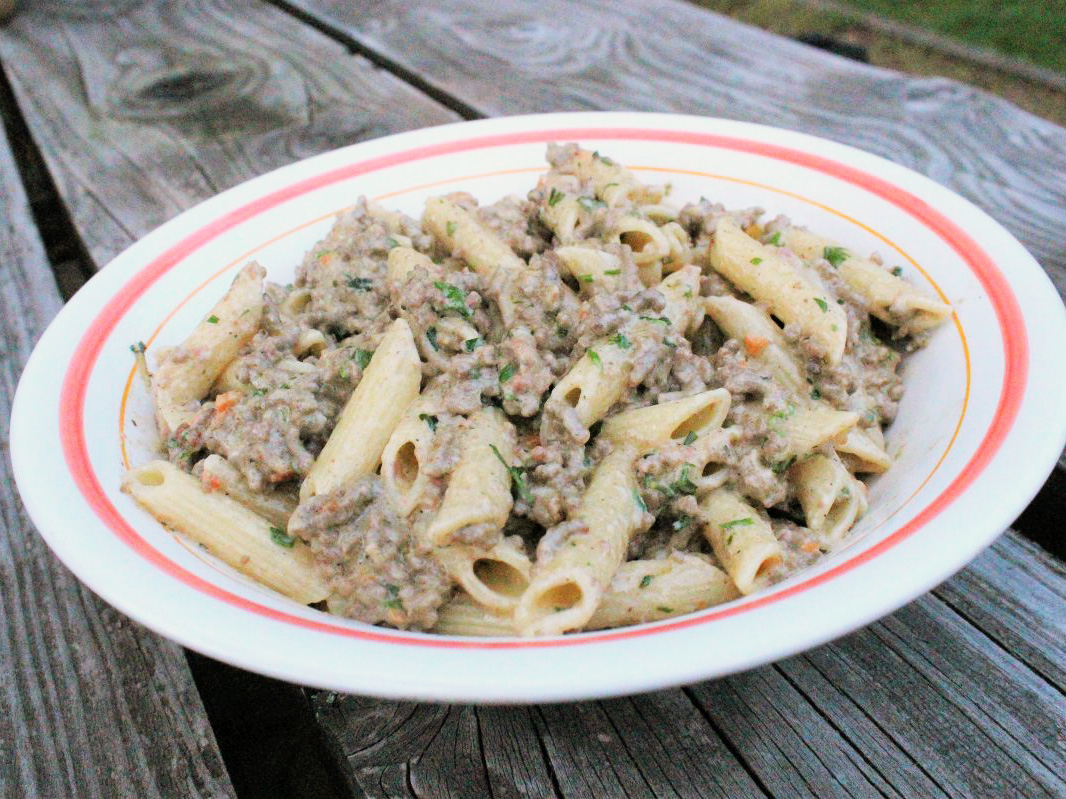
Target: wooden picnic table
119,115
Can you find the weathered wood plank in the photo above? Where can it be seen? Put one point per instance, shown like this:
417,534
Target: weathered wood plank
964,751
143,109
516,767
786,742
1016,593
510,57
91,704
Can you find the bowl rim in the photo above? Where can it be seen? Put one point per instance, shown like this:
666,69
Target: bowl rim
465,136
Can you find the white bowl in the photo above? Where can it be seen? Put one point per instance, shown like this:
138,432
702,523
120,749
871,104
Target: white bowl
980,427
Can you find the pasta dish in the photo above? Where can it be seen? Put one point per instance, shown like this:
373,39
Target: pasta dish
584,408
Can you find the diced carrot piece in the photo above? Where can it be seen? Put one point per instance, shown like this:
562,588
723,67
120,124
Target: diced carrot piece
755,345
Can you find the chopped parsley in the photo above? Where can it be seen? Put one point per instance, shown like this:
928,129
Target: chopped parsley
835,255
782,466
430,420
620,341
555,197
645,581
518,480
690,438
603,158
259,392
212,320
822,304
756,261
661,320
507,372
591,204
360,283
612,271
562,332
450,228
595,358
639,500
342,373
683,485
816,394
681,522
664,609
431,334
281,538
393,602
897,271
390,242
456,300
747,521
472,344
775,239
586,278
138,348
362,357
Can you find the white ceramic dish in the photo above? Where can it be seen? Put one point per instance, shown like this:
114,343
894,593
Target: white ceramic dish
980,427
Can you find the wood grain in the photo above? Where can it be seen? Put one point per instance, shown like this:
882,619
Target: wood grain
146,108
91,704
510,57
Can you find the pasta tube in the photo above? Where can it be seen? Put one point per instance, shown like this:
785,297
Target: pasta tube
479,491
650,590
742,540
219,475
762,273
389,385
402,476
763,340
186,373
567,588
650,427
496,578
832,500
891,299
227,529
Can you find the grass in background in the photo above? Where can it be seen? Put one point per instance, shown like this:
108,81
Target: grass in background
1034,30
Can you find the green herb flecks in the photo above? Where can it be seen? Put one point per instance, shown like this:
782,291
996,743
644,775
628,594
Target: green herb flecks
431,335
362,357
747,521
683,485
690,438
756,261
835,255
602,158
586,278
595,358
281,538
390,242
472,344
612,271
780,467
640,501
430,420
138,348
645,581
821,304
775,239
590,204
456,300
620,341
359,283
555,197
212,320
450,229
659,320
393,602
897,271
507,372
518,479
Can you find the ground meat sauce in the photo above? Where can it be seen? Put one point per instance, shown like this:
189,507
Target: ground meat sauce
275,406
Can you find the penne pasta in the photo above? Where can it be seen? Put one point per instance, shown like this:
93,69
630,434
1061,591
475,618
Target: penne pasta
478,498
830,497
389,385
891,298
274,506
741,539
186,373
652,426
402,476
495,578
651,590
567,588
762,273
225,528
